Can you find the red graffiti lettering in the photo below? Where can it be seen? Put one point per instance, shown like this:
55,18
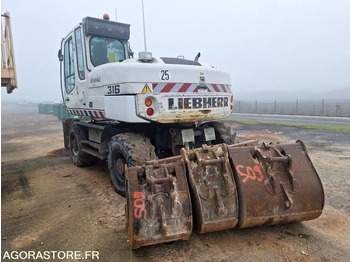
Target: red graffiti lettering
258,170
250,173
139,195
139,204
140,212
238,168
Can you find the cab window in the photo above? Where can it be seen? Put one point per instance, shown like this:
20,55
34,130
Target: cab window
106,50
79,51
69,79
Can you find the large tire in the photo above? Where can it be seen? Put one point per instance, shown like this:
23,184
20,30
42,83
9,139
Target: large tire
79,157
129,149
66,124
223,133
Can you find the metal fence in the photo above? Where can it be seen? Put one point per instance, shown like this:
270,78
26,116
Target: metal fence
321,107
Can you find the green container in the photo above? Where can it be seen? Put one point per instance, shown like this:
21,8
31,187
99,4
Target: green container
61,112
58,110
45,108
40,108
49,109
55,109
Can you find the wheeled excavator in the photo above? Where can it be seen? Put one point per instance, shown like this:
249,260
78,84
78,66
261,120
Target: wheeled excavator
155,120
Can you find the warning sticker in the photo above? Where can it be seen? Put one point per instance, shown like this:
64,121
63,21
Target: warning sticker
146,89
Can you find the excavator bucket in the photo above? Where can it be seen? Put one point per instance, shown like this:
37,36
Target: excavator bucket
276,184
214,194
241,185
158,202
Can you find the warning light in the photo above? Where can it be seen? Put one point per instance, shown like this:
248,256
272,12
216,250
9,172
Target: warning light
148,102
106,17
150,111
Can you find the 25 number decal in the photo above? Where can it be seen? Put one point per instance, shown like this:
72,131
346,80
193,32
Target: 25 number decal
164,74
139,204
250,173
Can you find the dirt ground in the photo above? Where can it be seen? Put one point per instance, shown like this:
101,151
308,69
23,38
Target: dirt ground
48,204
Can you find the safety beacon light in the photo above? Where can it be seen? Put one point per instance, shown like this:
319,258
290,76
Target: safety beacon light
106,17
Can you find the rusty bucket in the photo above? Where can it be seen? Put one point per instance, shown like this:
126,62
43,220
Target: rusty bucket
158,202
213,189
241,185
276,184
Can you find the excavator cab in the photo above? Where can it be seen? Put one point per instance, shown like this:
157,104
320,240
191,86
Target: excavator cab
92,43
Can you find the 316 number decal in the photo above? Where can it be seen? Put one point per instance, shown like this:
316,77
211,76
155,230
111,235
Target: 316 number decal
139,204
250,173
113,90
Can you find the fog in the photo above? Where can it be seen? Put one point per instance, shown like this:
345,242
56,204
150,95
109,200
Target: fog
272,49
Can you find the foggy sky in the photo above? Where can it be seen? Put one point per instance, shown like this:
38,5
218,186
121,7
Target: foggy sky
272,49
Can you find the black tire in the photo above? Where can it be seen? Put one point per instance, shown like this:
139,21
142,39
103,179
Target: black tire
66,129
223,133
79,157
129,149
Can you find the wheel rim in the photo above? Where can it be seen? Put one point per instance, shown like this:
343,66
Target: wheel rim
119,164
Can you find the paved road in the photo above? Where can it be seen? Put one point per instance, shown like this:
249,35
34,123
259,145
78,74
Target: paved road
321,120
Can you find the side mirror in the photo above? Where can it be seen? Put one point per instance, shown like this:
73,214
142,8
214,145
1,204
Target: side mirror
60,56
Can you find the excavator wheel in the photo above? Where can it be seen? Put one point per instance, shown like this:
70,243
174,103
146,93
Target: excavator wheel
223,133
127,149
79,157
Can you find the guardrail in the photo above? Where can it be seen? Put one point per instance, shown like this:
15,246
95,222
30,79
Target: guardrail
320,107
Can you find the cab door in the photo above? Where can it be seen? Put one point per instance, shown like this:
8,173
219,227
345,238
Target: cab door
68,74
80,68
73,75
